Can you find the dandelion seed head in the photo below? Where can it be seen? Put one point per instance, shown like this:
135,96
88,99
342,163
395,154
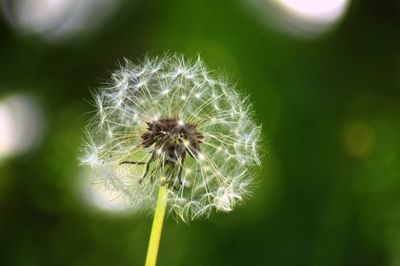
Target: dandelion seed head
169,120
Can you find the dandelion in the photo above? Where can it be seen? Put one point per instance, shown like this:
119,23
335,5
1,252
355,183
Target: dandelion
169,135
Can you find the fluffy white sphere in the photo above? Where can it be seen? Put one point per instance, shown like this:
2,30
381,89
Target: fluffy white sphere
170,120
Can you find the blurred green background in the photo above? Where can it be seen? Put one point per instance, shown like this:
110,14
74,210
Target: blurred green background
328,100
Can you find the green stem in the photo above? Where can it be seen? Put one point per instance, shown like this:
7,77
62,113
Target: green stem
156,228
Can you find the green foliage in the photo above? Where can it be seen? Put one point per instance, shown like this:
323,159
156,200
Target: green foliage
330,109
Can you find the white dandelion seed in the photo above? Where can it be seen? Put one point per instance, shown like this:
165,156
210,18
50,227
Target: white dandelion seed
169,121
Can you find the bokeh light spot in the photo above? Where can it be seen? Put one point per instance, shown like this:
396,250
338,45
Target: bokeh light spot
302,18
358,139
104,199
21,125
56,19
318,11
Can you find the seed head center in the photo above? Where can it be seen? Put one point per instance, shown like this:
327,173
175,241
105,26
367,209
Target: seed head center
173,137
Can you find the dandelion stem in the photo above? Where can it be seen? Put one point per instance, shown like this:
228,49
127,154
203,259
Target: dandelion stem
156,228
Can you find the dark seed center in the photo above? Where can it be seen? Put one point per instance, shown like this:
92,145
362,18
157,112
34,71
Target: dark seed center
173,137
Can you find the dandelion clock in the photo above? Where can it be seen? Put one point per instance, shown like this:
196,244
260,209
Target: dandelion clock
168,135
